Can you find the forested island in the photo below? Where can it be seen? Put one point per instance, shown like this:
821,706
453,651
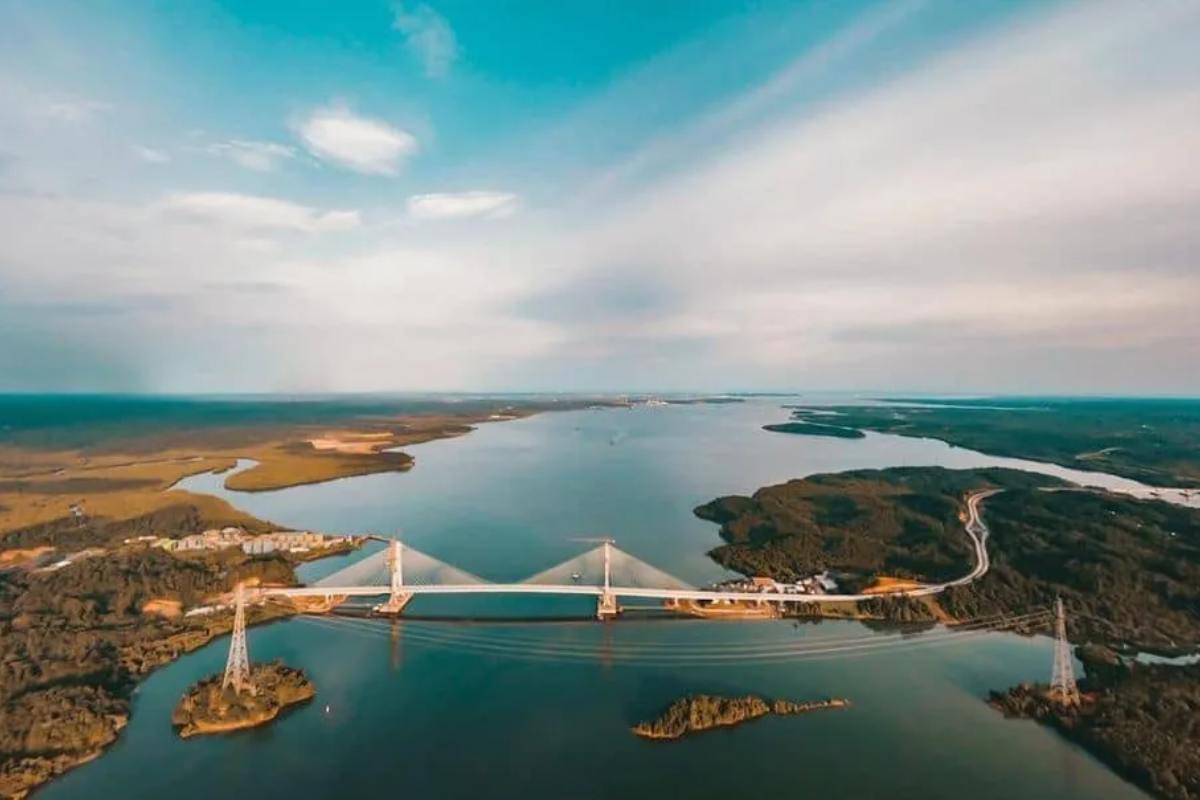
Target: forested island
207,708
1143,720
702,712
1148,440
814,429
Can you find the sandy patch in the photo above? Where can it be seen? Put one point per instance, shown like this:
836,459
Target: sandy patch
13,558
166,608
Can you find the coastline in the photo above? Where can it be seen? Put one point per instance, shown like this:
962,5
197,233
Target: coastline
28,773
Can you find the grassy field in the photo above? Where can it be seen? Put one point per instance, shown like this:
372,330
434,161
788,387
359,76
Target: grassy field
123,465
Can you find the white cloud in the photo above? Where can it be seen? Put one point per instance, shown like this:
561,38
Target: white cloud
461,204
429,37
257,213
73,110
150,155
356,143
258,156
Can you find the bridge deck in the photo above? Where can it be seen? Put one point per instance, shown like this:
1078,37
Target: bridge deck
586,591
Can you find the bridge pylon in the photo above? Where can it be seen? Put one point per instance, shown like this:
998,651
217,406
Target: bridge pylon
607,607
397,597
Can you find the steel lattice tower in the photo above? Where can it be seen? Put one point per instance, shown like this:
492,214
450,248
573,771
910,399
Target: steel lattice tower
237,667
1062,686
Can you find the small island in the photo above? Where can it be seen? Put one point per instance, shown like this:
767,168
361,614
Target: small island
815,429
703,712
207,708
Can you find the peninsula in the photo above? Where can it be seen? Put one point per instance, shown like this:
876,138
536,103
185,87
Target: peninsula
207,708
703,712
1129,569
815,429
1140,719
1147,440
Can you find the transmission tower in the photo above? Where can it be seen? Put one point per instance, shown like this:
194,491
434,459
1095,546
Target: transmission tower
1062,686
237,667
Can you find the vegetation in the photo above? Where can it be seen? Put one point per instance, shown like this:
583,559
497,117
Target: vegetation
207,708
1152,441
814,429
901,522
117,456
1129,570
1142,720
74,641
702,712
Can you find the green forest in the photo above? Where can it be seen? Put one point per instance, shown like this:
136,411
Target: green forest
901,522
1143,720
1152,441
1128,569
74,641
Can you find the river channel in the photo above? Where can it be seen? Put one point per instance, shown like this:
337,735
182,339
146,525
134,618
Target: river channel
504,717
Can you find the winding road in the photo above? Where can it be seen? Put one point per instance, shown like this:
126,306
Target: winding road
976,529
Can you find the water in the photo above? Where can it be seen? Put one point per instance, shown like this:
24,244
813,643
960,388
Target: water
414,717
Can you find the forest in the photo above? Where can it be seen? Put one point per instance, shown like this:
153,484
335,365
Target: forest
75,641
1143,720
1128,569
902,522
1148,440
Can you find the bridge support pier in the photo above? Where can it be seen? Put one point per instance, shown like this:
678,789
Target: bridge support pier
394,604
607,607
397,598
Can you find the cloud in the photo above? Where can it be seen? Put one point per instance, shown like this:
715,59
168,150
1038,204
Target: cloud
150,155
257,213
258,156
429,37
461,204
357,143
72,110
1011,210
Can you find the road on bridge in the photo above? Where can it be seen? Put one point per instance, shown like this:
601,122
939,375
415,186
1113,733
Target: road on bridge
975,527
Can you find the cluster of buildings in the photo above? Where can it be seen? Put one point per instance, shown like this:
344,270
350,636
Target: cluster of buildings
222,538
820,583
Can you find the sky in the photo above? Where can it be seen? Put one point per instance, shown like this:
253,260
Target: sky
685,195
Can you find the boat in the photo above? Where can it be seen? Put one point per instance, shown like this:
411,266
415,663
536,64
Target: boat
575,576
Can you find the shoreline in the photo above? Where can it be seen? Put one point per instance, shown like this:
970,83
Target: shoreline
191,463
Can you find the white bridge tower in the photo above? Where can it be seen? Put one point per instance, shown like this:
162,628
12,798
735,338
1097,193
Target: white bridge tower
397,597
607,606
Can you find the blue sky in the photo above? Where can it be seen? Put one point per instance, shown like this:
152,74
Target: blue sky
300,195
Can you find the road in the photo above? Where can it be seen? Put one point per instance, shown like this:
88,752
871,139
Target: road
976,529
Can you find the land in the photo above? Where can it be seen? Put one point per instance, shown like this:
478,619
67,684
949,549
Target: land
88,479
206,708
814,429
1128,569
1151,441
118,458
703,712
75,641
1142,720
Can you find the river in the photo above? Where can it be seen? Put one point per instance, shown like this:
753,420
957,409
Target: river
506,718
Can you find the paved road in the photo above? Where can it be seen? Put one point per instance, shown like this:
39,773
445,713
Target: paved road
976,529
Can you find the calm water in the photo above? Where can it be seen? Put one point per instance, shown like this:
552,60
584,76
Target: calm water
410,716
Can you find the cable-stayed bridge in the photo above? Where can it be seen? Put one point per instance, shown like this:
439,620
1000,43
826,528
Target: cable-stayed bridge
605,572
400,573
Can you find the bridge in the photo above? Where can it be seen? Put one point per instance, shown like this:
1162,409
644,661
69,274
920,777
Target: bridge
399,573
604,572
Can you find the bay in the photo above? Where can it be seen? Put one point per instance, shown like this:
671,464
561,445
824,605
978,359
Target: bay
498,711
